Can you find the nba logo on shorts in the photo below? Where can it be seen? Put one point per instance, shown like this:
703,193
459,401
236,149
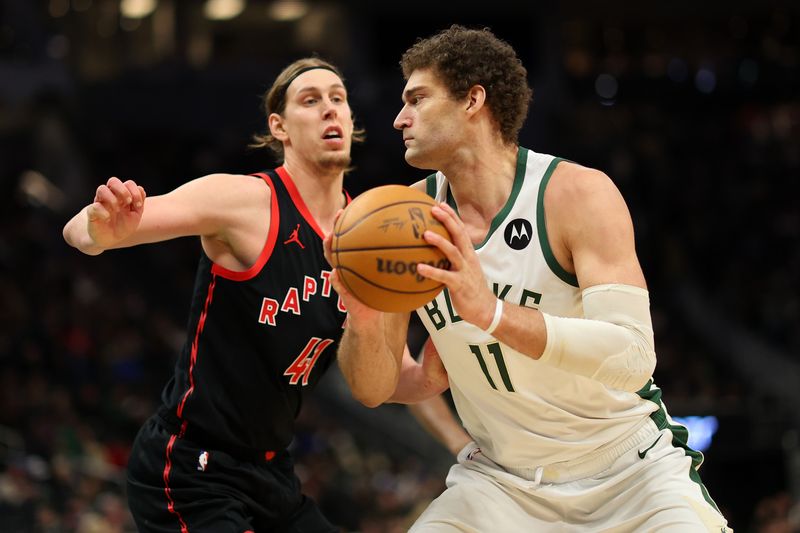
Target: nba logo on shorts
202,461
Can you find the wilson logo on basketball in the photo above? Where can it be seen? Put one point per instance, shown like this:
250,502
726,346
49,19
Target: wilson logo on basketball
390,266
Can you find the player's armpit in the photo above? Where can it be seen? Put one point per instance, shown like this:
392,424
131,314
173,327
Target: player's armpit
613,344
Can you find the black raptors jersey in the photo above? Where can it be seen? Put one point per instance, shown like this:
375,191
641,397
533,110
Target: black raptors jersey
258,340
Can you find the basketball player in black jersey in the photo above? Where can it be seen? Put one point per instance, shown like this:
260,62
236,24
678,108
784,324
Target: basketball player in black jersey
264,324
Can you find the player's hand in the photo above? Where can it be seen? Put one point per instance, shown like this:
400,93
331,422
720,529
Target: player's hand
471,296
115,213
326,242
358,312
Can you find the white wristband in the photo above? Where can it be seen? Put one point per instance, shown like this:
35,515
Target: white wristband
498,314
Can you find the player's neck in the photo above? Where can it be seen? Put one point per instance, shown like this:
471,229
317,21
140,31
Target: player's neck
320,189
481,177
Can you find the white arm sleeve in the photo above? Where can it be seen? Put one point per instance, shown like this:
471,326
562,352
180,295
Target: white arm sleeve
613,344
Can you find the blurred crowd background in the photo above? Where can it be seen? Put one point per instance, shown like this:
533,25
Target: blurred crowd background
693,108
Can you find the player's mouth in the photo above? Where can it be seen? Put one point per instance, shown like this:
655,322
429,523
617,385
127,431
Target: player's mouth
333,136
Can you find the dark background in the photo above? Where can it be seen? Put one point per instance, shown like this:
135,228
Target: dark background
691,107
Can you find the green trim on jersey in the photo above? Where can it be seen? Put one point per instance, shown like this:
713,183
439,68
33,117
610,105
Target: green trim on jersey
680,436
519,177
544,242
430,185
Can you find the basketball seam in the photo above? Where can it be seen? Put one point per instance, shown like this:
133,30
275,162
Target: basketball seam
438,287
366,215
393,247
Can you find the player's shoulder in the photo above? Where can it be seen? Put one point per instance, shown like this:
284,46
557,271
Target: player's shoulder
238,185
572,182
578,195
224,177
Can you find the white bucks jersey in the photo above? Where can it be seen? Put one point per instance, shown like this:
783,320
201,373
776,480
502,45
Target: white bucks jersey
523,413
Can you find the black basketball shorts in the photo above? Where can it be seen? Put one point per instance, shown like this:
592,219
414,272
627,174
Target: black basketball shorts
176,485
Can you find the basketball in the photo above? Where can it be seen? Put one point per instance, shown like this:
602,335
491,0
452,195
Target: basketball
377,244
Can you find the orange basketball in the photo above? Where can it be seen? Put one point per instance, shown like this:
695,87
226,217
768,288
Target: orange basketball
377,243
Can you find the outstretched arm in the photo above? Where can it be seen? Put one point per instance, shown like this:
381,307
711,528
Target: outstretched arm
220,207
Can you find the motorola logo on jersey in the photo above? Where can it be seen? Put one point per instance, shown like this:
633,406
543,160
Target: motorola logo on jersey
518,233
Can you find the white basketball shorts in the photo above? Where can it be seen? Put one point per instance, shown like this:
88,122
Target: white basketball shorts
641,484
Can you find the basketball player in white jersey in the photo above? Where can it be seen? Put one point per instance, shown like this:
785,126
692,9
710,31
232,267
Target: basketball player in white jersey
543,332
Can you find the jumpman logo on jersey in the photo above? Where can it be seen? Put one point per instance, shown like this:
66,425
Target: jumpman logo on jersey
293,237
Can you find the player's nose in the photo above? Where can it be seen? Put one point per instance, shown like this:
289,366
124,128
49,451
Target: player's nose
329,110
402,120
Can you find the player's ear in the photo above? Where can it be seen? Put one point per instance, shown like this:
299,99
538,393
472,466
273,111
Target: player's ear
277,127
476,97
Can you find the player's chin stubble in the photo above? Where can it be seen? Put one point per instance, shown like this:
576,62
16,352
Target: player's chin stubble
334,161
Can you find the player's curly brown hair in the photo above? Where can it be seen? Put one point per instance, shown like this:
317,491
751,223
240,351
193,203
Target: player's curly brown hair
463,58
274,101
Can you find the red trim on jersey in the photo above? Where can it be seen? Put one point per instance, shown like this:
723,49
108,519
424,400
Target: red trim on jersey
266,252
200,323
298,200
167,469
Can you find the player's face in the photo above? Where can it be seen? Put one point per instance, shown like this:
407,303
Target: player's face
317,120
431,121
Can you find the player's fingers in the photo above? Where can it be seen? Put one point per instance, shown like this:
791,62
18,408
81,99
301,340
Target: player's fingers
453,224
326,248
142,197
436,274
135,194
338,286
351,303
444,206
120,191
450,251
104,196
452,214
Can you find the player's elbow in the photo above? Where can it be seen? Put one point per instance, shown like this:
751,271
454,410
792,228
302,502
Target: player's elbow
371,401
629,370
370,396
